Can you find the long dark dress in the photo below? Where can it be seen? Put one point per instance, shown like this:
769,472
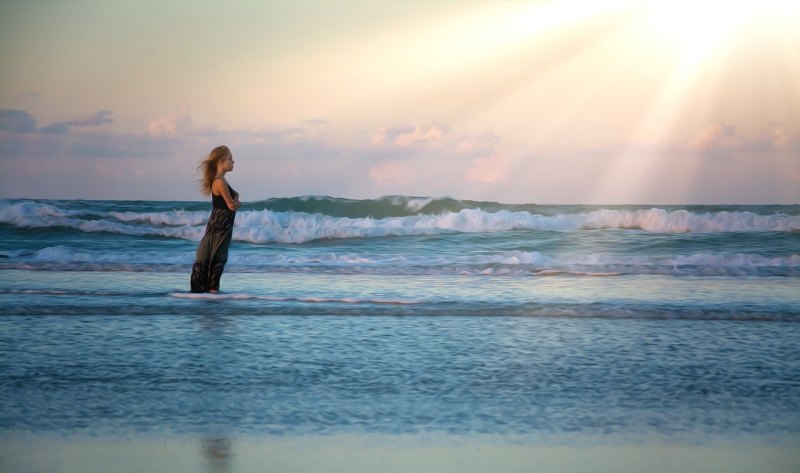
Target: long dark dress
212,252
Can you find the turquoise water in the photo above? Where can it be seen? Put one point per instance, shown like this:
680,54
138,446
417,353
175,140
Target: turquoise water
402,316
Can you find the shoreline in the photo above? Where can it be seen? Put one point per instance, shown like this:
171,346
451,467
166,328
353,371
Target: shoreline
389,453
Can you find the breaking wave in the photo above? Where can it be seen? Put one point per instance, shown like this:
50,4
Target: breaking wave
423,217
511,263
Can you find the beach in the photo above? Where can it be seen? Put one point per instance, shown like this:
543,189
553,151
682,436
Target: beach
400,236
400,334
387,454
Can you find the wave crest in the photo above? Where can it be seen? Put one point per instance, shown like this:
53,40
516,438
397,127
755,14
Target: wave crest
511,263
274,226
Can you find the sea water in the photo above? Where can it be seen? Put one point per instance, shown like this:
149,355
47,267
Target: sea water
403,316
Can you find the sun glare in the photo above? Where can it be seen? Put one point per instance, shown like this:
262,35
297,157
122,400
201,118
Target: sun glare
695,38
697,26
514,23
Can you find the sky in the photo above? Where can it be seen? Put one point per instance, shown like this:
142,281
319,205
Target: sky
574,101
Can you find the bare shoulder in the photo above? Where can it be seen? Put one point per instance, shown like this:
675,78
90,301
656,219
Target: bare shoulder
217,185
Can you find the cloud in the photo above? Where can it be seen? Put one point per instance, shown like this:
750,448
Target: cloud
418,159
778,138
20,121
55,128
489,169
721,139
21,138
171,125
416,150
168,135
404,158
491,160
102,117
430,158
717,137
16,121
409,135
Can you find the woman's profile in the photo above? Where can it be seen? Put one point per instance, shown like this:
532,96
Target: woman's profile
212,252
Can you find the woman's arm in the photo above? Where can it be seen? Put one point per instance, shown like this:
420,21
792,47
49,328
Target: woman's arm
221,188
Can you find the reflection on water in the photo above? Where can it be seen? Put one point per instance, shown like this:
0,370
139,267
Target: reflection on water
389,454
288,375
217,454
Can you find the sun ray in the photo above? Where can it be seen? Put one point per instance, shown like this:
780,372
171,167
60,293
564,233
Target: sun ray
692,33
556,76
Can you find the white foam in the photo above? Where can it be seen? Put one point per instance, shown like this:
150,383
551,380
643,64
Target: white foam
266,226
17,213
290,227
505,263
412,204
65,254
186,232
246,296
683,221
173,218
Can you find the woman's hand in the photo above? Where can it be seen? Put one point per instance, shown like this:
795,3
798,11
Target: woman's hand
221,187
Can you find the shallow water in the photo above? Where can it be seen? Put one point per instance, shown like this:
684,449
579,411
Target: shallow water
431,320
424,357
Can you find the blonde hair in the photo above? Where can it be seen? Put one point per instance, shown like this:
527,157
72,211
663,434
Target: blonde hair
208,168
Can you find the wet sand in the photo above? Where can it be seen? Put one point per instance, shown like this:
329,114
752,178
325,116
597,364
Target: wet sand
353,453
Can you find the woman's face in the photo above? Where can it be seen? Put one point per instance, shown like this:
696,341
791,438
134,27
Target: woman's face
227,163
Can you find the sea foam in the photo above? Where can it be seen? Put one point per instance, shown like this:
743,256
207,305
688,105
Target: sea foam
513,263
269,226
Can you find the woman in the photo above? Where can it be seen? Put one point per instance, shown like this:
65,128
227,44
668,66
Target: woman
212,253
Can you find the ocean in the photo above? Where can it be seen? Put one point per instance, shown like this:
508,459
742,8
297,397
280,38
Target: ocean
403,318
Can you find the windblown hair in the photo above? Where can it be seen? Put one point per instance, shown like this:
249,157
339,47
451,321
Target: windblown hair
208,168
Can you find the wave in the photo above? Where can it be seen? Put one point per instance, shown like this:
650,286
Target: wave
294,227
70,303
173,224
204,296
510,263
309,300
267,226
387,206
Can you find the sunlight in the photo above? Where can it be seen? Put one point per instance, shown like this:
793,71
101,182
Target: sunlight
678,38
680,52
616,82
492,30
697,27
480,34
696,36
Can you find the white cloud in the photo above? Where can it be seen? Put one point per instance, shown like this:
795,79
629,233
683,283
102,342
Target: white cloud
778,138
434,147
718,138
430,134
430,159
171,125
490,169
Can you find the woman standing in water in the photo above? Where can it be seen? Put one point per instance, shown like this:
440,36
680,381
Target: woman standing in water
212,253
